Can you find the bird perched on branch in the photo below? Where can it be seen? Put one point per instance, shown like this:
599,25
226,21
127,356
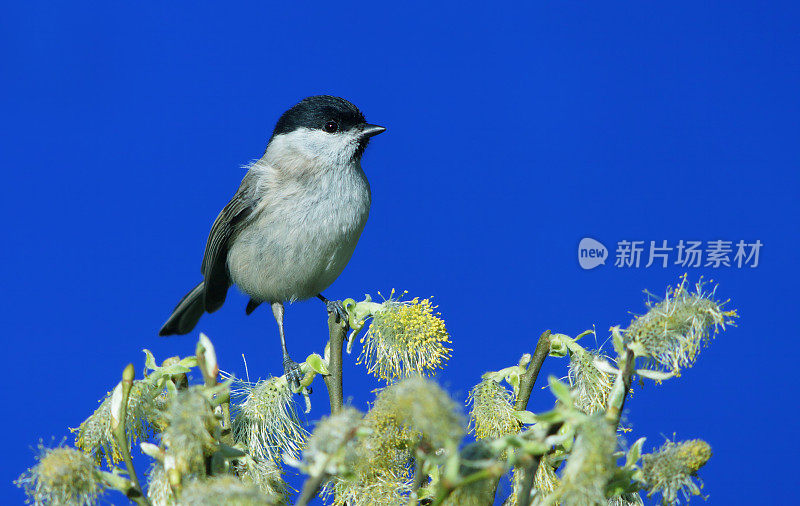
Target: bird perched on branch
294,222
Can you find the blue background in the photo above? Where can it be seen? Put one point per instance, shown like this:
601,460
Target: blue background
513,132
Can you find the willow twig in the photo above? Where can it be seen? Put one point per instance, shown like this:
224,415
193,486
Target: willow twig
622,385
123,485
528,379
313,483
122,439
529,473
333,380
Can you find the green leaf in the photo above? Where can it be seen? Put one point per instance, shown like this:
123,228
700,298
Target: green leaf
149,360
634,452
496,376
619,345
574,347
158,373
171,370
500,445
654,375
513,380
560,390
552,416
535,448
316,363
526,417
558,347
603,366
189,362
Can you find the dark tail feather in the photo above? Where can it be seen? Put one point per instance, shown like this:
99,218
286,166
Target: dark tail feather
251,306
186,314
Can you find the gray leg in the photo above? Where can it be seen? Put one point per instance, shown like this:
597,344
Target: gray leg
290,367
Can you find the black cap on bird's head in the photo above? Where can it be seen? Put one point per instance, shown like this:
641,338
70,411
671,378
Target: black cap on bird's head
329,114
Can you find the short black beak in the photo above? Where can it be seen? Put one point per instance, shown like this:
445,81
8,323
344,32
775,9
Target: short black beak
371,130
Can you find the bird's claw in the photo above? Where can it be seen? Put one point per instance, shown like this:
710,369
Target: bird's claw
293,372
336,307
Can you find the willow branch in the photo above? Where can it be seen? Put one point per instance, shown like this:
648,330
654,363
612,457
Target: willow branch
622,385
123,485
312,485
122,439
528,379
333,380
529,473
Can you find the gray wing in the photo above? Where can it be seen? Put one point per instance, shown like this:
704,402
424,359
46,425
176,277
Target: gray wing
215,259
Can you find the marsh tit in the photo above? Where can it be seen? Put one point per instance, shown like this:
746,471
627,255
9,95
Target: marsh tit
294,222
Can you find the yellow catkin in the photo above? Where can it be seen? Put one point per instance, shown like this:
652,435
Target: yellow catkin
405,338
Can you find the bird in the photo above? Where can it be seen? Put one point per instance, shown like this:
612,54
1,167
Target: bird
294,222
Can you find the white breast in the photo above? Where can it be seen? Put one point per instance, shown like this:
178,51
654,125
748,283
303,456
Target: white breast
302,235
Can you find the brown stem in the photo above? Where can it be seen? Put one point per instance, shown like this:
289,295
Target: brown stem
532,372
527,380
333,380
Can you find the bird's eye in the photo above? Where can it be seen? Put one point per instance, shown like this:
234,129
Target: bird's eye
331,127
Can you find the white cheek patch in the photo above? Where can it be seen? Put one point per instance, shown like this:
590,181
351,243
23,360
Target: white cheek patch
312,145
